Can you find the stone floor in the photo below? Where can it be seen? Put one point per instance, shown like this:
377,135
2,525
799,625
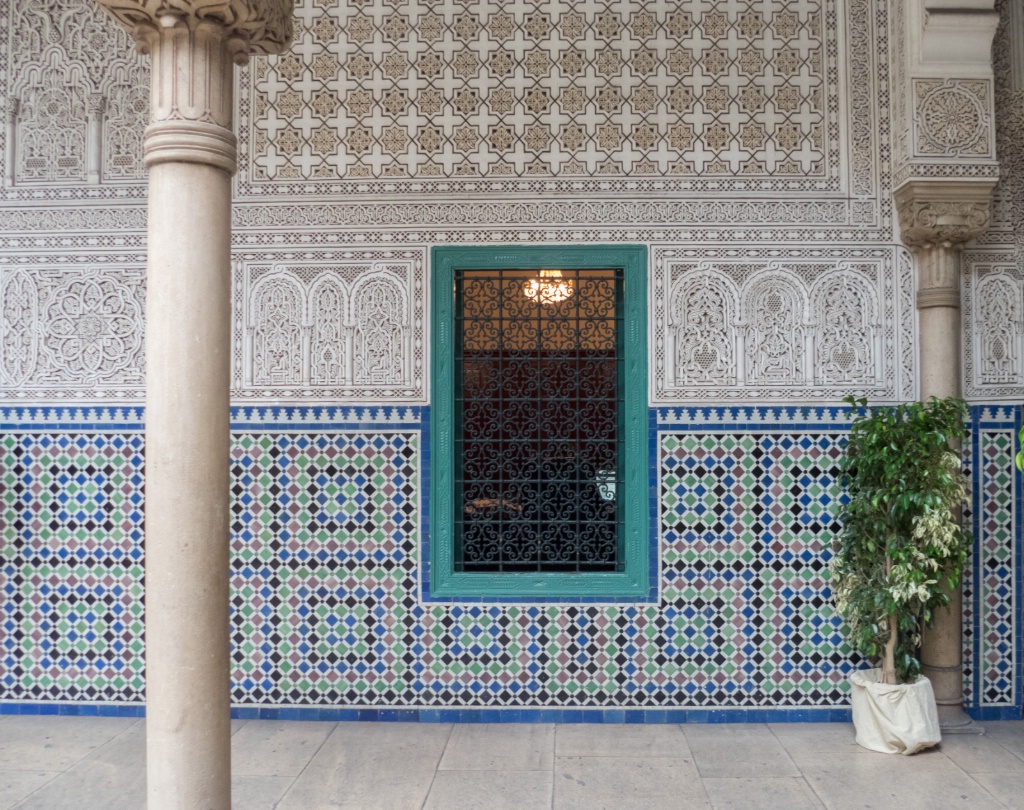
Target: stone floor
82,763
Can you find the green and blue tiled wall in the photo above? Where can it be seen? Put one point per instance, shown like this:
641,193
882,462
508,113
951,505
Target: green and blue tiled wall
328,610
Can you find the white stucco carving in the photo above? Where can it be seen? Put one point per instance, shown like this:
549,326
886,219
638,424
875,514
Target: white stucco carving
730,328
71,332
346,328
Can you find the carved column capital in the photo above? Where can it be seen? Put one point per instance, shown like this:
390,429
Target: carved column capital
937,218
193,44
250,26
95,104
946,213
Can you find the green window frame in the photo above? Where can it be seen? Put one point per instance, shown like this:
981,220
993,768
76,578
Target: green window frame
634,582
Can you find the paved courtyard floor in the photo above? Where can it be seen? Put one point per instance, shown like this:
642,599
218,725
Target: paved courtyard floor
87,763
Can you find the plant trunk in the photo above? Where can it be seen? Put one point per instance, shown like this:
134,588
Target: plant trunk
889,659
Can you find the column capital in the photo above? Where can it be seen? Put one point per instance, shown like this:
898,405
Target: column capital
943,213
251,26
193,44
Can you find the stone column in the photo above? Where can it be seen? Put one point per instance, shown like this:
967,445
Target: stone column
937,219
190,152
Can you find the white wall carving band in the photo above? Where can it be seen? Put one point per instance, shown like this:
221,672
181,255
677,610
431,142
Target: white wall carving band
736,328
345,329
71,333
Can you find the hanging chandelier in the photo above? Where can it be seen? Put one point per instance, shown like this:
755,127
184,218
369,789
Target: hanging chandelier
549,287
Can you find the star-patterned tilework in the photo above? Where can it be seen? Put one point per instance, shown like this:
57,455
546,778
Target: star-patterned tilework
326,548
71,567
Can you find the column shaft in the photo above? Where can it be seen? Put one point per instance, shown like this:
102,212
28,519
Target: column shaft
939,339
188,338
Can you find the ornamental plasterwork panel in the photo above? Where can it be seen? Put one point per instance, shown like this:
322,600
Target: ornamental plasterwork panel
804,325
803,45
952,118
439,90
993,325
76,95
341,326
71,332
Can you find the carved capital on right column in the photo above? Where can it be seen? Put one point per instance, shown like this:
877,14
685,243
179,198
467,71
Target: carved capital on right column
947,213
193,44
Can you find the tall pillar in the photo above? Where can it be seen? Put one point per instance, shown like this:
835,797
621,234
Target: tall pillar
937,219
190,153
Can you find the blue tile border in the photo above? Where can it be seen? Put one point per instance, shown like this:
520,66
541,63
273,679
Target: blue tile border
247,418
388,714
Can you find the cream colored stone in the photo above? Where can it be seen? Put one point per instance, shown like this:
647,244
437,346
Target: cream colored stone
190,151
503,747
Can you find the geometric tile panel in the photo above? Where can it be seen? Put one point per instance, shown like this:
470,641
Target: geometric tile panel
326,604
997,580
71,567
749,520
326,607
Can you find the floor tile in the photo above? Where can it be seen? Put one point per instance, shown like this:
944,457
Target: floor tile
1005,787
738,750
54,743
810,739
980,754
925,781
761,793
112,777
595,740
607,783
490,790
500,747
16,785
258,792
276,747
366,766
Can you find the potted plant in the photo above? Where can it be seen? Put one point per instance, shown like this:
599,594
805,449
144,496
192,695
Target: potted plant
900,549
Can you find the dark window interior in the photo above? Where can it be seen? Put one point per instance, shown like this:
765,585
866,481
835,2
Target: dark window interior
538,407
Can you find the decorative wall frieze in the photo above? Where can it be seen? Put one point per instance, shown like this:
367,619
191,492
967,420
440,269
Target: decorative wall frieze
349,328
730,328
431,91
74,333
68,70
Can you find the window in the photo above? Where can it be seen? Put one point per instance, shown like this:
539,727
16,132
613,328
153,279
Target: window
539,480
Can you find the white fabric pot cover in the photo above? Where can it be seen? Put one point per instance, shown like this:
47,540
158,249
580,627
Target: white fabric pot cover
894,719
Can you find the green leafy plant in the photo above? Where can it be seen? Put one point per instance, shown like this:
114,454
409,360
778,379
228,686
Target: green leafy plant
1020,455
902,545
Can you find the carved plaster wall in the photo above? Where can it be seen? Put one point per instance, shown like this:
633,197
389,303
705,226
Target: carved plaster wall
76,96
804,325
339,326
993,280
71,332
390,127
